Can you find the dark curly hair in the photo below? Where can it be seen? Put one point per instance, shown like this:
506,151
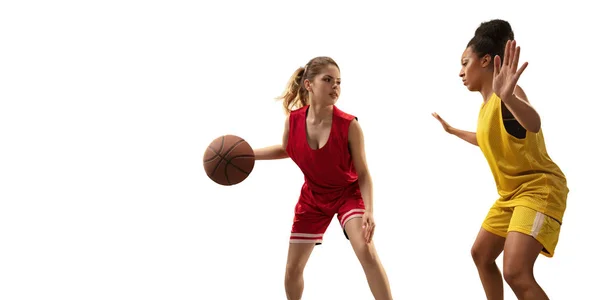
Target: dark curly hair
491,37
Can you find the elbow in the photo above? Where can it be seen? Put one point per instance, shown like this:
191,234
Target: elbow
282,152
531,123
534,126
535,129
364,176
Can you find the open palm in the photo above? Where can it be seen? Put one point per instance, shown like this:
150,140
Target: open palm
506,74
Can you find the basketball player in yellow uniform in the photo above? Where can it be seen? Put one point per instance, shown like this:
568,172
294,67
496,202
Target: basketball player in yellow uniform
526,219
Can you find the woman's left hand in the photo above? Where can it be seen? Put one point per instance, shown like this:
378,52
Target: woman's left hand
506,74
368,225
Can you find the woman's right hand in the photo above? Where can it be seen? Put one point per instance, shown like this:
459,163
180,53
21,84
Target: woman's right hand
444,123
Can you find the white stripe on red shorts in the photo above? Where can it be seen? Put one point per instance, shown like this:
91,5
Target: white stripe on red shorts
353,213
306,238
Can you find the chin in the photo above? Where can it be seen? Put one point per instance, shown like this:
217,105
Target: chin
471,88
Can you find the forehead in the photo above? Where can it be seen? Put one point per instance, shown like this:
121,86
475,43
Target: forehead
467,53
331,70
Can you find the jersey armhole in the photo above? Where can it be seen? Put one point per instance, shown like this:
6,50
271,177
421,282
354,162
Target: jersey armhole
511,125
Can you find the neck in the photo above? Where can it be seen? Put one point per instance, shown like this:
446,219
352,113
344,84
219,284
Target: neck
487,89
319,112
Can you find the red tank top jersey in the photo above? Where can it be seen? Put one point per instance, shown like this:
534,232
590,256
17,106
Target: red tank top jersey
329,168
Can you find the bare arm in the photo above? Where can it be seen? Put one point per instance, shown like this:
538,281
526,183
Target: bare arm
275,151
520,108
357,149
467,136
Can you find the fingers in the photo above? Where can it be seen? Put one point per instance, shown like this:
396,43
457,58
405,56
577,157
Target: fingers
368,231
368,226
515,60
497,64
515,55
507,48
520,71
444,123
371,233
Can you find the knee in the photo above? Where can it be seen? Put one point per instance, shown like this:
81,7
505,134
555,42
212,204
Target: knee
293,271
481,256
516,275
367,254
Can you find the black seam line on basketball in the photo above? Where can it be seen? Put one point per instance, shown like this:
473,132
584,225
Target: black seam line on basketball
220,161
241,156
222,144
225,155
212,158
239,169
216,167
228,162
233,147
221,147
227,175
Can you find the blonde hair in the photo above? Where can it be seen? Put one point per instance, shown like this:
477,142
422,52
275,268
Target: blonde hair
295,95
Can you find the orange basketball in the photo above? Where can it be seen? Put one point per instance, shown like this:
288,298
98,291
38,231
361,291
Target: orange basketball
228,160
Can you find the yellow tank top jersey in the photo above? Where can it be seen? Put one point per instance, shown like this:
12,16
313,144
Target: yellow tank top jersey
524,173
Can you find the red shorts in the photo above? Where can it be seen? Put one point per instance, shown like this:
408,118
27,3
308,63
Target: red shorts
314,212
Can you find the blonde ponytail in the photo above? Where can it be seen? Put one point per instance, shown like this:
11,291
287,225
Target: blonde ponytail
295,95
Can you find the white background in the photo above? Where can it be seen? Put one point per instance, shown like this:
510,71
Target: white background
107,108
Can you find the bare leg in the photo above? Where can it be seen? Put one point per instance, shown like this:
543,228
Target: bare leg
520,253
298,254
485,250
367,255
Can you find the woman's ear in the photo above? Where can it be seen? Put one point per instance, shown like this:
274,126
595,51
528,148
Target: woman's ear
307,85
486,60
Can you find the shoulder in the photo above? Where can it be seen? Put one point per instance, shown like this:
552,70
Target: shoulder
343,115
294,114
298,110
355,132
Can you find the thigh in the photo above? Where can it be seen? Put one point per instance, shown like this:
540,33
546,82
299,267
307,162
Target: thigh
298,254
491,237
487,246
497,220
354,232
309,224
538,228
351,208
520,252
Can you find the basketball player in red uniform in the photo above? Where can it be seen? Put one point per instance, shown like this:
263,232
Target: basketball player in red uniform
327,145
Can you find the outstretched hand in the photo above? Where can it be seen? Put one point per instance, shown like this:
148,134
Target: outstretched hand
442,121
506,74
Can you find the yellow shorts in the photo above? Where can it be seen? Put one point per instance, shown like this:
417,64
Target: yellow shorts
501,220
